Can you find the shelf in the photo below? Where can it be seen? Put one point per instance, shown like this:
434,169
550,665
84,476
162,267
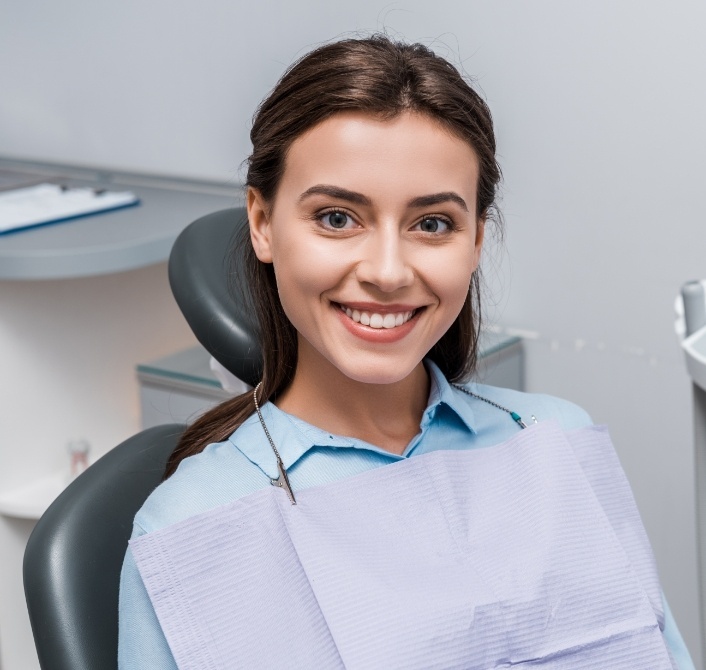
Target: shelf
190,366
32,500
112,241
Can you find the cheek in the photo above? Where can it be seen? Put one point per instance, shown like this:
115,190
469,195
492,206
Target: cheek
308,263
449,277
303,275
452,295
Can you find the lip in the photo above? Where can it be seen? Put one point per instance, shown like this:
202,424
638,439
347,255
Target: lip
377,335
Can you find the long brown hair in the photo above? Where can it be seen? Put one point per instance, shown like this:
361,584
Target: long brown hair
382,77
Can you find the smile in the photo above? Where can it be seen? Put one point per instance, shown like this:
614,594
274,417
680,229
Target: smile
375,320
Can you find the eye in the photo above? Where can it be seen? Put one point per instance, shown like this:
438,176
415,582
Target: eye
336,219
433,224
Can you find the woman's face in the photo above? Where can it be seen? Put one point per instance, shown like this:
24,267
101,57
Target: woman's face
374,236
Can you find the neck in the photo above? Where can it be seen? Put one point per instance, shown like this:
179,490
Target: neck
386,415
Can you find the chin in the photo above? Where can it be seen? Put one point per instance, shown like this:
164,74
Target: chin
376,371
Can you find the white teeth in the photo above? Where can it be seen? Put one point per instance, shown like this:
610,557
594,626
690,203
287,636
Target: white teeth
375,320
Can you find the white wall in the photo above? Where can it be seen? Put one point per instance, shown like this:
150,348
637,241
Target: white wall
599,109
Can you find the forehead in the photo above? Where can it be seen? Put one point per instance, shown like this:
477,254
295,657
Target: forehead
405,156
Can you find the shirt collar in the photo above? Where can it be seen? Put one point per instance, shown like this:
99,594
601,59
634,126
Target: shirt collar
293,437
441,394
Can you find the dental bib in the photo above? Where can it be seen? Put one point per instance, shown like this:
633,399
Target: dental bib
530,553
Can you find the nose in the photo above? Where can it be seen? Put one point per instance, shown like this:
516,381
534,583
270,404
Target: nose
384,263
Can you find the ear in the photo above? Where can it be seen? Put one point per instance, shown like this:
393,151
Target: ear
259,221
480,234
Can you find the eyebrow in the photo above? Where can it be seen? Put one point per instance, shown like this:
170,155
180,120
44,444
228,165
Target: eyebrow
336,192
437,199
360,199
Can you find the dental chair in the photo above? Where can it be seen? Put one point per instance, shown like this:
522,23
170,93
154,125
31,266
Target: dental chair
74,556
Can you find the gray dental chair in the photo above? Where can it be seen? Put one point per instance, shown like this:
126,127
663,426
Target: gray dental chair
74,556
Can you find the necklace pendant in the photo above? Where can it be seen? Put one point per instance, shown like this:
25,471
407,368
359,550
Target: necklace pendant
283,481
518,419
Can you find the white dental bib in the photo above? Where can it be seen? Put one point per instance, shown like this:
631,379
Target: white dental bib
530,553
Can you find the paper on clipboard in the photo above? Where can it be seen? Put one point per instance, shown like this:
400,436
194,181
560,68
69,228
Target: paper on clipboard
51,203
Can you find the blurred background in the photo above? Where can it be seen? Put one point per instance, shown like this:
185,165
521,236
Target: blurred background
599,111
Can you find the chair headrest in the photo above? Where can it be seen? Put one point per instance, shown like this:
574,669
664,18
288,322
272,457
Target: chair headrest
201,263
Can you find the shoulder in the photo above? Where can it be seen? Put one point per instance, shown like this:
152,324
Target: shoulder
216,476
540,405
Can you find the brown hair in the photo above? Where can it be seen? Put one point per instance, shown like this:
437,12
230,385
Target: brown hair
382,77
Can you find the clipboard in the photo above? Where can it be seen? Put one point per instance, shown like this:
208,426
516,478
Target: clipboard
46,204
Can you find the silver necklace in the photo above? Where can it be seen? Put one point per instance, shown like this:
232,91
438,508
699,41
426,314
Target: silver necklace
282,480
515,416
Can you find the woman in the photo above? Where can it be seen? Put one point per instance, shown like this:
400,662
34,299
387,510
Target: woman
372,180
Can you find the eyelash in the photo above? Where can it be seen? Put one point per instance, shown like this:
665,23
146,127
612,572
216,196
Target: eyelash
451,226
319,216
337,210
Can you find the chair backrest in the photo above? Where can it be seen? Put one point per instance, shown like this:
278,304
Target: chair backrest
74,556
203,266
75,553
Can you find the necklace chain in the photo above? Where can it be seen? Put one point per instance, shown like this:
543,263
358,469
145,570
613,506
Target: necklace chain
262,421
515,416
283,482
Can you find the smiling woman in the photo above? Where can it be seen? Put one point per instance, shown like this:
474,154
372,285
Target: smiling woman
381,206
370,186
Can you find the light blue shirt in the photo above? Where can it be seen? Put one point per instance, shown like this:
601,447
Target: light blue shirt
245,463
